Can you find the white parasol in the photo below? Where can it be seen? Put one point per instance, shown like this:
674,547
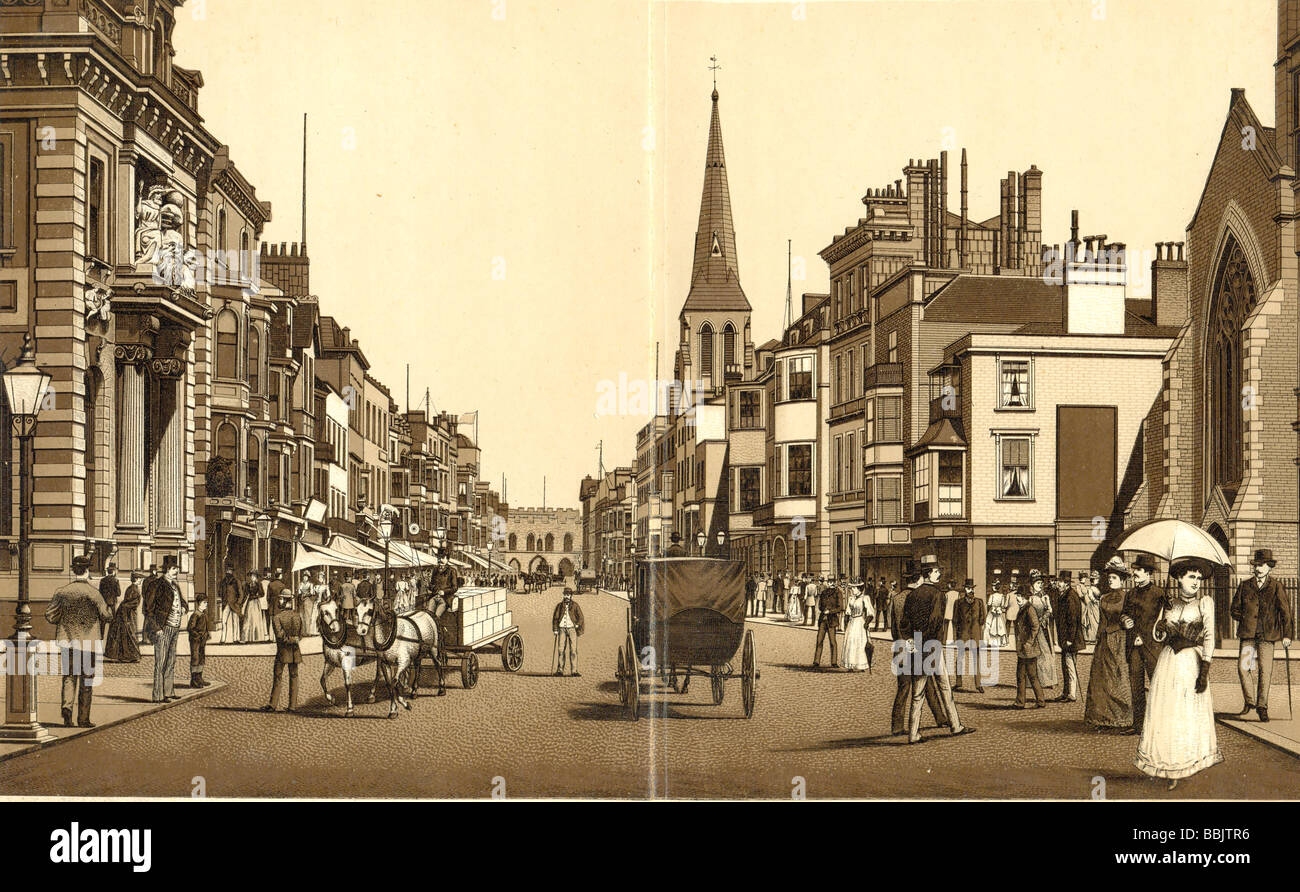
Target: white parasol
1173,540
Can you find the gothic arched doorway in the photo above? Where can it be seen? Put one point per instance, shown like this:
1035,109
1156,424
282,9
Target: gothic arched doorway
1231,302
1221,588
566,567
778,556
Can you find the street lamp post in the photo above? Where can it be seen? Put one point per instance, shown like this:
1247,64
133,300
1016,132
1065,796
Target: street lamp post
722,544
25,386
386,532
700,539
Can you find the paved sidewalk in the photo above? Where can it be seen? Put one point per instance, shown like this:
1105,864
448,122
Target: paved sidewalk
1281,731
117,699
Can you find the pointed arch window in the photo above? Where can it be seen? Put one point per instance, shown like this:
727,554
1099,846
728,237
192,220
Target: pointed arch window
706,350
550,541
728,345
1231,302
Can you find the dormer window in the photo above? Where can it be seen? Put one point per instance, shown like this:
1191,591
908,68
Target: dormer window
716,250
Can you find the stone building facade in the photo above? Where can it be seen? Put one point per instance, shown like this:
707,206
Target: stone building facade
1225,445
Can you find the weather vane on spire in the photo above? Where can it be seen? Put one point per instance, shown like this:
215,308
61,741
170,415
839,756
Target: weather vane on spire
714,68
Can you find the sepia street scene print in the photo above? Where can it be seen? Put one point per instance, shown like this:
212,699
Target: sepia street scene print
864,400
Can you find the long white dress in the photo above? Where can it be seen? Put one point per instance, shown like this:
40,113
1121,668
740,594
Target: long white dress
858,611
1091,611
794,604
995,625
1178,737
256,627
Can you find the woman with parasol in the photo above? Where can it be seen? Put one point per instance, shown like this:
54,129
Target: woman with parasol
1178,735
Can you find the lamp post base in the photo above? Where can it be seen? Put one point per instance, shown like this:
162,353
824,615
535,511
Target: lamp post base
20,724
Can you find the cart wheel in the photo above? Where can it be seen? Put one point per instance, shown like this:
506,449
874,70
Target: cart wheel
719,685
633,687
747,670
469,671
620,672
512,652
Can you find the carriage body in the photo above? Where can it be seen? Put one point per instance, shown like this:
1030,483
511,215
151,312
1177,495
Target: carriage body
686,616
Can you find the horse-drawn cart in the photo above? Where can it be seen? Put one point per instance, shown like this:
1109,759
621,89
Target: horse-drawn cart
687,617
480,622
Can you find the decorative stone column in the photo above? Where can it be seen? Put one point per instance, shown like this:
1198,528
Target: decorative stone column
131,409
169,469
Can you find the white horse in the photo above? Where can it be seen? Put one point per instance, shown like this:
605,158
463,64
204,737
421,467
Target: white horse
400,663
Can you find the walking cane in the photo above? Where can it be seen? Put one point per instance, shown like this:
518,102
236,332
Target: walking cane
555,654
1290,707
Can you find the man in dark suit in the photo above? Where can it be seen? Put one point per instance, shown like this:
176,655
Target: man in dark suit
287,625
968,631
923,622
164,606
152,581
79,614
275,587
751,588
1141,609
830,601
901,662
1027,652
1263,613
1068,612
676,549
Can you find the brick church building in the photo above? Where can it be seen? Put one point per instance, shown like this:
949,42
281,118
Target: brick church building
1223,454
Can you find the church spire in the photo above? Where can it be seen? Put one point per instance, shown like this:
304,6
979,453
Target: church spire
715,274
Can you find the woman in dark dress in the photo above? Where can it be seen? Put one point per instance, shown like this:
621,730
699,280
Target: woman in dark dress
120,643
1108,707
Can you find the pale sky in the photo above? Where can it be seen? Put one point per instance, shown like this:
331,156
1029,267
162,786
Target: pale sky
563,150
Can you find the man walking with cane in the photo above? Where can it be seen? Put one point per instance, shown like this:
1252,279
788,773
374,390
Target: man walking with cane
1263,613
567,625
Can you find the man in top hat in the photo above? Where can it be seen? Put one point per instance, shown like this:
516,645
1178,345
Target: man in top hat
165,609
1068,612
78,613
830,601
901,661
1263,613
1141,610
968,615
287,625
151,582
230,594
923,619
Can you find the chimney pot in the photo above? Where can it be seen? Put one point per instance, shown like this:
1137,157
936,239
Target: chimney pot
1180,250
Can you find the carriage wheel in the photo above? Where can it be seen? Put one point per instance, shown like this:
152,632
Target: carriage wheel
512,652
620,672
469,671
719,680
633,687
747,672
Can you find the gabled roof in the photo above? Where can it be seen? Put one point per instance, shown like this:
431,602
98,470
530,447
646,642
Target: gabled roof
715,272
1241,116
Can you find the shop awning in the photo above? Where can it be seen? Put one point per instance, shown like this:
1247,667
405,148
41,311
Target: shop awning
352,548
310,555
496,564
480,562
412,556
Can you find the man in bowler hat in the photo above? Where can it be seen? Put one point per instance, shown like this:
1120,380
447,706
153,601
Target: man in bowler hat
923,618
78,612
968,631
1263,614
831,604
287,625
1068,614
1141,610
